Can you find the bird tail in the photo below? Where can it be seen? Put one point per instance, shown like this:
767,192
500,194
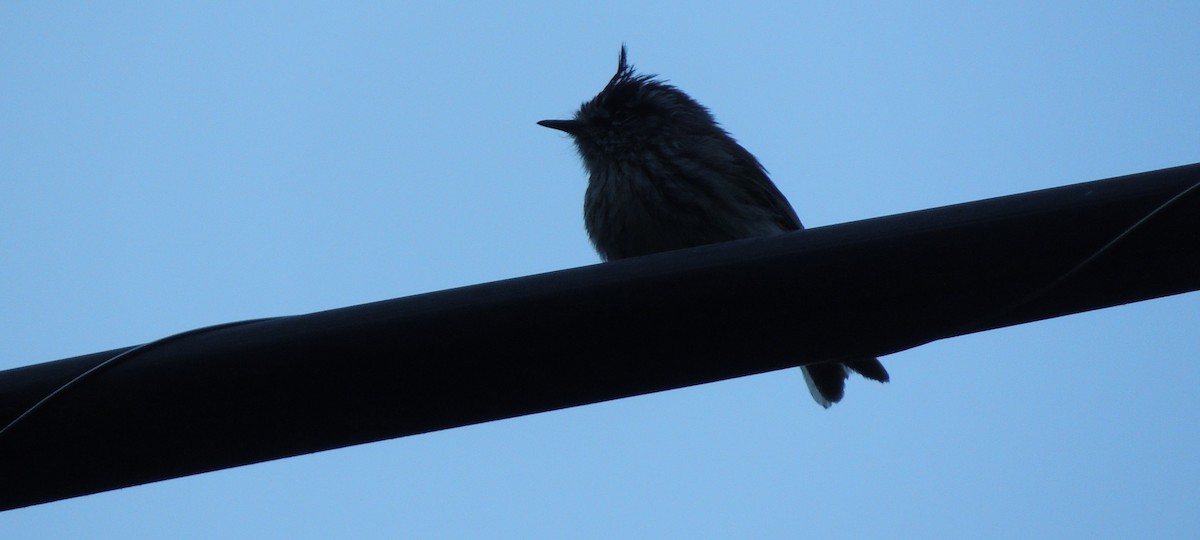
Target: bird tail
827,382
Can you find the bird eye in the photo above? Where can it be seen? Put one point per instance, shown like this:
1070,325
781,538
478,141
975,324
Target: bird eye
628,112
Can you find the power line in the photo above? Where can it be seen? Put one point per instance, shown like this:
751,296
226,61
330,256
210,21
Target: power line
274,388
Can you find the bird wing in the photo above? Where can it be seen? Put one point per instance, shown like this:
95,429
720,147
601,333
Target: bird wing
762,190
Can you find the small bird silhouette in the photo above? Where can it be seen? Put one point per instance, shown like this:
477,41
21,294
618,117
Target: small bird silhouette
663,175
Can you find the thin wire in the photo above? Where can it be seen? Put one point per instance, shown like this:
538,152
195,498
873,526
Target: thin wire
123,355
1086,262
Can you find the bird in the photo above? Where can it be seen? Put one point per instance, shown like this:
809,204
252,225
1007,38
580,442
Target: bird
664,175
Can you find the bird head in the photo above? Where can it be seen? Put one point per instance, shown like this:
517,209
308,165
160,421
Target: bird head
632,114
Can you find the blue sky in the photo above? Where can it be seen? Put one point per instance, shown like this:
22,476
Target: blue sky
165,166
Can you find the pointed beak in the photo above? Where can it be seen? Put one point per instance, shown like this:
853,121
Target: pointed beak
570,126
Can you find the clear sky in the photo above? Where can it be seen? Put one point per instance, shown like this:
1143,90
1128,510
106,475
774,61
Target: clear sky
169,165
